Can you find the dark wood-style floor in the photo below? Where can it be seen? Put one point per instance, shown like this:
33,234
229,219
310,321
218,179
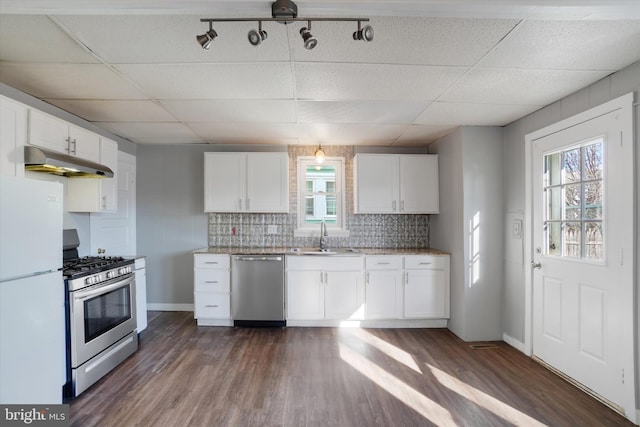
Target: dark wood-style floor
183,375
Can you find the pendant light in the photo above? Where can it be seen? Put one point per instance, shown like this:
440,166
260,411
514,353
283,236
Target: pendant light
319,155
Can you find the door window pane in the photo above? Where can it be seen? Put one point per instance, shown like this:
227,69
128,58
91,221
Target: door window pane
572,239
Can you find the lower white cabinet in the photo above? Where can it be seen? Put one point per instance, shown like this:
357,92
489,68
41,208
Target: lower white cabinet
320,288
212,289
384,293
141,293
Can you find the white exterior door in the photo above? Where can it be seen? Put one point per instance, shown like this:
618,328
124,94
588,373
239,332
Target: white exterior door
582,225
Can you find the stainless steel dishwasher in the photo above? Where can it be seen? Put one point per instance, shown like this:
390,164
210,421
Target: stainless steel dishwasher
257,290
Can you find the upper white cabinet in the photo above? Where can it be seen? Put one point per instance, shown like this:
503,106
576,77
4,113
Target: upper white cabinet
96,194
396,183
55,134
13,131
246,182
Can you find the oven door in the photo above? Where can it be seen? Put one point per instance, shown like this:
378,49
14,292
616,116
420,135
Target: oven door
100,315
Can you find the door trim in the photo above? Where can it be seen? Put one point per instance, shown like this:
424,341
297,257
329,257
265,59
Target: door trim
623,104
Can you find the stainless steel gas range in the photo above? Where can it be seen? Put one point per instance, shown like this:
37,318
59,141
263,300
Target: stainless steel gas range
101,315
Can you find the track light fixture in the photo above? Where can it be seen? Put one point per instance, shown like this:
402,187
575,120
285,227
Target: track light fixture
207,38
284,12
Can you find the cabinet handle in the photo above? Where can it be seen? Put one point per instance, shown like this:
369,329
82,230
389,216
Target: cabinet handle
367,278
211,306
401,205
383,263
211,262
248,200
211,281
393,205
240,204
425,263
68,149
74,146
321,278
104,202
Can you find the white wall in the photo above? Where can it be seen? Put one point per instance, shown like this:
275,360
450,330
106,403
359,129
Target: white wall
471,227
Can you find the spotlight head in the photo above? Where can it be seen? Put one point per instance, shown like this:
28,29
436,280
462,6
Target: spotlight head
207,38
256,37
309,41
366,34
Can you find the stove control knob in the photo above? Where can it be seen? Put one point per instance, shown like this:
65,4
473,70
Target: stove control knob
88,280
110,274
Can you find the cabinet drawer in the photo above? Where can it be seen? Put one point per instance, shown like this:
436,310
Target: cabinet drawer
211,280
324,263
212,306
383,262
211,261
424,261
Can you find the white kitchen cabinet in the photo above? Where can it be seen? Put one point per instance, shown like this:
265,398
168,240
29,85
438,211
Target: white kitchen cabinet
320,287
96,194
396,183
141,293
212,289
246,182
426,286
383,287
55,134
13,131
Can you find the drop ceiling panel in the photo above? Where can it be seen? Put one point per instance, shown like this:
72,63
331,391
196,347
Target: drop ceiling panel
35,38
422,134
425,41
518,86
172,39
67,81
569,45
115,110
373,112
150,130
341,81
460,114
212,81
347,134
257,132
232,110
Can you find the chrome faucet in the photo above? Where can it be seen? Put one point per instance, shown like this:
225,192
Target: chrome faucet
323,236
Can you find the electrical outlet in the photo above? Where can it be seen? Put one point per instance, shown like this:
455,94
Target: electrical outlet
272,229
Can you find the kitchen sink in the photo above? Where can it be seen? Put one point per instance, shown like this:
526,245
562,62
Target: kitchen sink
317,251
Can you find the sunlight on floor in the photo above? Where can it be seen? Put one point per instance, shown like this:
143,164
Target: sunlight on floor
388,349
401,391
483,400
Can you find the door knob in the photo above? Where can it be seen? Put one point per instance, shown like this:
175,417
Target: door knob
535,265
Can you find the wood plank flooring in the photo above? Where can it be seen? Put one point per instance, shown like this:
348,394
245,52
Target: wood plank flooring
184,375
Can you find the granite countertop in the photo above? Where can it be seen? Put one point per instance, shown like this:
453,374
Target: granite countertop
301,251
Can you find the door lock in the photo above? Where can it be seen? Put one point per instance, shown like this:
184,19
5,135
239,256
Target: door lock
535,265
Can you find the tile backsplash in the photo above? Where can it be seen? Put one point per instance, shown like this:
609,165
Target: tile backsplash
245,230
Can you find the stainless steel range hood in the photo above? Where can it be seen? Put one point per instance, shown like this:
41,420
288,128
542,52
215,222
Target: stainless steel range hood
40,160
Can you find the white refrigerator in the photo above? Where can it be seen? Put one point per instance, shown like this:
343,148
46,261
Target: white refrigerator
32,312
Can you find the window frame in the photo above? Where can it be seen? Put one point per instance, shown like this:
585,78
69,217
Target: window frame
313,230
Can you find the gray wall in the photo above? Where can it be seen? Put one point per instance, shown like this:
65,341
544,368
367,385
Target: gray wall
470,227
613,86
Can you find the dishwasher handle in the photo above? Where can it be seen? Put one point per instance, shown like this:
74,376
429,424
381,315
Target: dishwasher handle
258,258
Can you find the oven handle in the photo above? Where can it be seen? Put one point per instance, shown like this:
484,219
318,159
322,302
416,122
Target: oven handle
83,295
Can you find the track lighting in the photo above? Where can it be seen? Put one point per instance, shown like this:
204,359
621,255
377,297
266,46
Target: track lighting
257,36
319,155
309,41
207,38
284,12
365,33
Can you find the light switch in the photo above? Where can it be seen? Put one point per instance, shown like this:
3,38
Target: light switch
516,229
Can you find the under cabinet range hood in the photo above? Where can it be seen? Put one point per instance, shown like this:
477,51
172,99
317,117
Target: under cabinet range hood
40,160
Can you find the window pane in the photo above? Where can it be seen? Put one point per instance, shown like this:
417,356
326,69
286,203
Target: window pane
321,188
593,165
309,186
330,187
554,204
572,239
309,206
593,240
573,201
571,165
593,200
552,169
553,238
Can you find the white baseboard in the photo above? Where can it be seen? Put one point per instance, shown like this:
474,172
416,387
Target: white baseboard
392,323
169,307
517,344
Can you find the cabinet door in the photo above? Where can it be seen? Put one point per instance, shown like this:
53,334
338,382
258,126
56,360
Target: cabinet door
224,182
141,298
305,295
267,182
208,305
84,144
48,132
424,294
384,294
13,128
376,183
344,295
419,184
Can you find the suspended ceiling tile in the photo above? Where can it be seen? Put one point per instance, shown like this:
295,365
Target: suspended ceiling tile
372,112
212,81
256,132
457,113
150,130
425,41
340,81
114,110
172,39
422,134
568,45
232,110
518,86
347,134
67,81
